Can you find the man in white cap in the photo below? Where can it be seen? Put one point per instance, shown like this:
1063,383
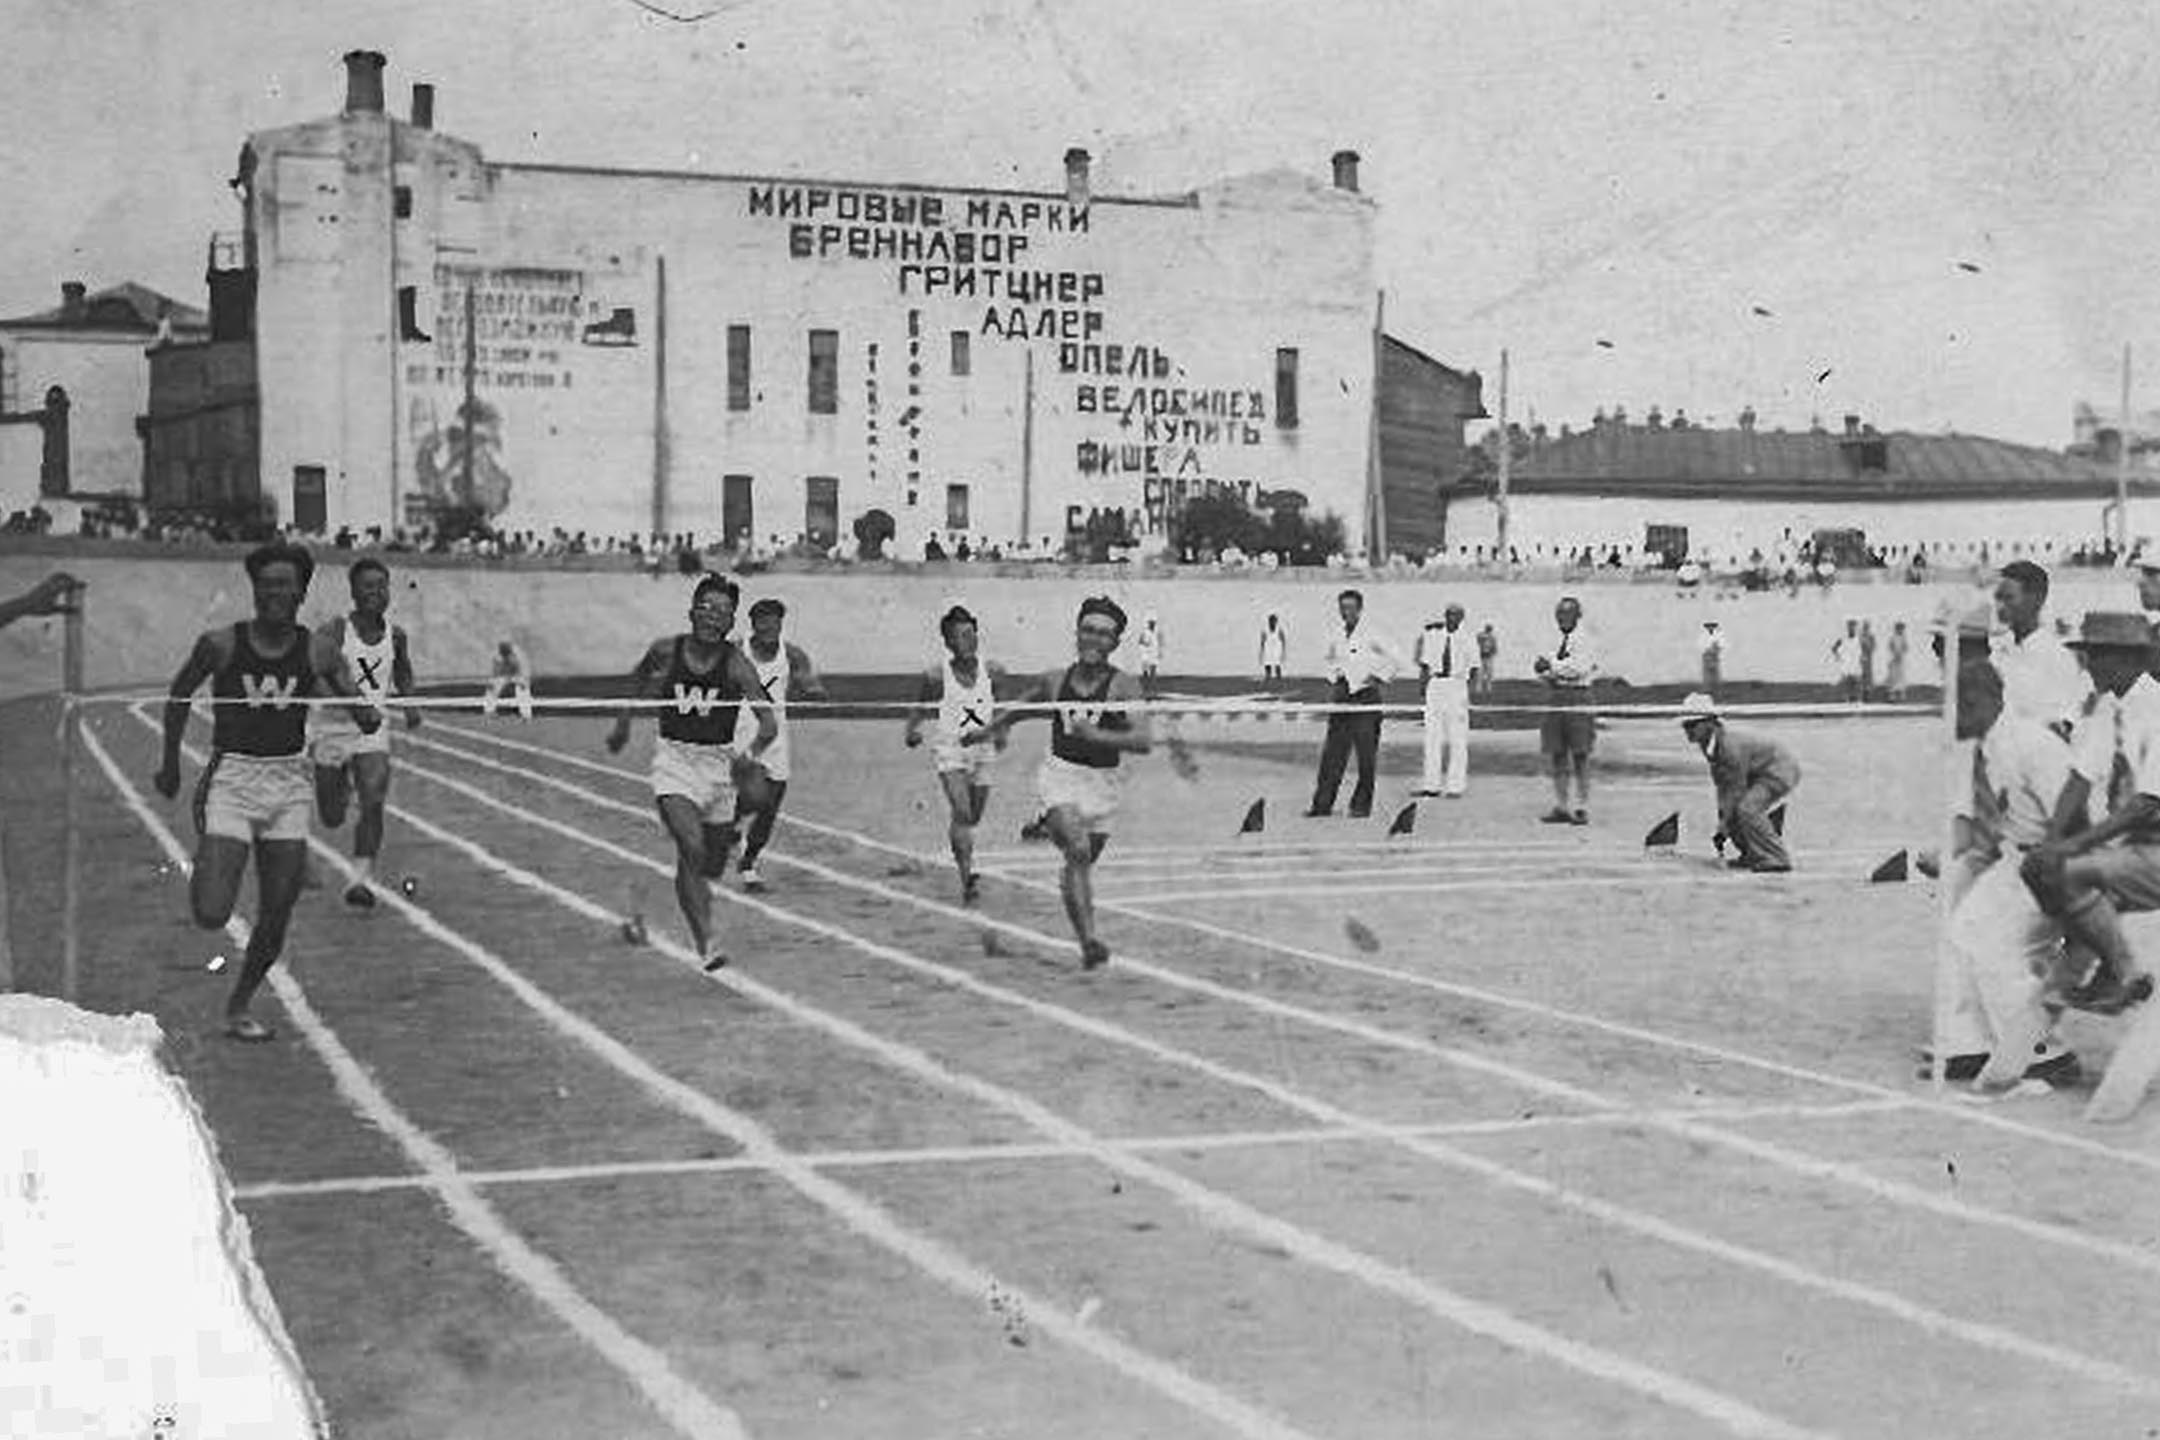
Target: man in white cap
1752,773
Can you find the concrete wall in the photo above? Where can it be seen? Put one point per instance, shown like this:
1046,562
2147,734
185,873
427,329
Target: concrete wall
1153,328
108,384
144,614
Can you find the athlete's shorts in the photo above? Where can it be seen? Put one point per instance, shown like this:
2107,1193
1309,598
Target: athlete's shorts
333,745
1090,792
774,761
255,797
701,774
953,758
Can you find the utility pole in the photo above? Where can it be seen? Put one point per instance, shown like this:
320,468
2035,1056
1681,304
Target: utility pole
470,412
1507,459
1027,447
1376,537
660,452
2122,463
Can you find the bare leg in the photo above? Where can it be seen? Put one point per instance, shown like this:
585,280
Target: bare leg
1076,883
214,885
964,799
278,865
686,827
333,792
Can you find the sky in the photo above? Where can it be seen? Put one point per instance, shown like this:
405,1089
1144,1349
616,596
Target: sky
1934,217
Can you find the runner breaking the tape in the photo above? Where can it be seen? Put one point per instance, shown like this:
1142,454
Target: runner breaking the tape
696,768
963,688
255,793
1090,733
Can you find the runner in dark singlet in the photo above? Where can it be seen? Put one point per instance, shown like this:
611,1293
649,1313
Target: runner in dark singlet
696,767
257,790
1090,733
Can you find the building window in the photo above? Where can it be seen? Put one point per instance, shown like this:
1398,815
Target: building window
1286,389
956,507
738,367
310,502
821,511
408,311
960,356
738,511
401,201
824,372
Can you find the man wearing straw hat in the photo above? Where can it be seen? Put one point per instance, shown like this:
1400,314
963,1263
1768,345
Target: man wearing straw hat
1752,774
2087,876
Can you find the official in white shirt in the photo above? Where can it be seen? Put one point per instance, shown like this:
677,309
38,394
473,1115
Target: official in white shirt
2042,679
1570,729
1358,662
1446,658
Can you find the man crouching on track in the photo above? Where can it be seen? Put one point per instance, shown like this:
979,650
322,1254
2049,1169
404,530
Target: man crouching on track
696,769
257,790
1078,783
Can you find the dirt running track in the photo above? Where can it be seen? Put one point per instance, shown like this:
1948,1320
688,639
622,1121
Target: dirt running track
1565,1141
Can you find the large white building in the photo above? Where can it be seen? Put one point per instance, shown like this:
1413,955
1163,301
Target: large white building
647,351
1680,488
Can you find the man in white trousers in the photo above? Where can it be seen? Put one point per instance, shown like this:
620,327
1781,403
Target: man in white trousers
1446,658
2005,946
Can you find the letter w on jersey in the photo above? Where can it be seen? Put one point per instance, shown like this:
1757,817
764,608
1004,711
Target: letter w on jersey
273,691
695,700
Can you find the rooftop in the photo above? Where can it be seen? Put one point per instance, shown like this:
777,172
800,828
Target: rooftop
1616,457
127,307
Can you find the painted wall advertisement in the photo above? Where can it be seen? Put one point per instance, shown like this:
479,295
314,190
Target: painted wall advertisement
501,345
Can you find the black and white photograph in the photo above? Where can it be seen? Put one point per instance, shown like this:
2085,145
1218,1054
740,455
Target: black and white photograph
1034,720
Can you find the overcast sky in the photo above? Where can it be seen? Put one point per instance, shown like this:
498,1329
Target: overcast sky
1550,175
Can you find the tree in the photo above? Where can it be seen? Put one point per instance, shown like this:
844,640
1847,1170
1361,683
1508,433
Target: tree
1217,522
874,530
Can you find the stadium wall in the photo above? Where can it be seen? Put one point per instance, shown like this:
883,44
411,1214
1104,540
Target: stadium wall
143,616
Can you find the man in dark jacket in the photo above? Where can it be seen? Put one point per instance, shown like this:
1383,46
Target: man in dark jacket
1752,773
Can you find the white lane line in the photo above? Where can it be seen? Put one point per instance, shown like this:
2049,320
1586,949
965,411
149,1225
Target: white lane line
1964,1114
682,1404
1220,1211
1008,1152
861,1215
1463,860
1926,1318
1809,878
